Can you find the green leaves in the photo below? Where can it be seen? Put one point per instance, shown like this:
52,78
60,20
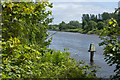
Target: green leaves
112,46
28,21
24,61
24,52
20,60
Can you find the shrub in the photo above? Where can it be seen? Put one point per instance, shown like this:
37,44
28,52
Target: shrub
21,61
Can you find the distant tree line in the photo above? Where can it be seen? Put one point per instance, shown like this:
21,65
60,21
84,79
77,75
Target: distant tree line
64,26
105,24
96,22
91,23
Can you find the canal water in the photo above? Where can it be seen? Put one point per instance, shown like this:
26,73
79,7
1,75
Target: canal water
78,45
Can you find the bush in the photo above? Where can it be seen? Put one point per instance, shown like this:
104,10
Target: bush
18,59
21,61
24,52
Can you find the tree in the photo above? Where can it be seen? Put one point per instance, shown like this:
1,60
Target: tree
99,16
105,16
24,31
91,25
93,17
76,24
110,38
25,25
117,15
26,21
84,22
62,25
85,17
100,25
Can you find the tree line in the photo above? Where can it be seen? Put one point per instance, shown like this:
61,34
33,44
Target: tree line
91,23
24,43
107,25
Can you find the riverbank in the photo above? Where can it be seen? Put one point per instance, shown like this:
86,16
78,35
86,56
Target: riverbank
78,45
92,32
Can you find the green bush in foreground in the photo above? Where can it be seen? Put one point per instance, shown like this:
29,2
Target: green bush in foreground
24,35
21,61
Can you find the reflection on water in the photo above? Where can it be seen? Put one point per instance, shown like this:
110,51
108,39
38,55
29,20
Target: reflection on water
78,45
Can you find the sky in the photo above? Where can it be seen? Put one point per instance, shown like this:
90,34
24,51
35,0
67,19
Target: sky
84,0
68,10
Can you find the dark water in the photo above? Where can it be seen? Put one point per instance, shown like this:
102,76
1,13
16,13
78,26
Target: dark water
78,45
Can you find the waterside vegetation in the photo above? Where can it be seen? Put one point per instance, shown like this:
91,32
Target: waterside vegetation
91,24
24,43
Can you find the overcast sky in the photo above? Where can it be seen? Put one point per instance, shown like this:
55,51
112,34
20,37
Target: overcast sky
84,0
67,10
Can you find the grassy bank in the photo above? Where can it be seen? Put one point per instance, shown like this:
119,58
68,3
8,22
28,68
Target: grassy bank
97,32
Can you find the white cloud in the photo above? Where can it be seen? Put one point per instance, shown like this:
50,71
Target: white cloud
64,11
61,6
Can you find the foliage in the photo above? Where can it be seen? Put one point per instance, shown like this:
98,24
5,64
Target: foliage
21,61
93,17
24,52
117,16
62,25
84,24
73,30
53,27
76,24
17,59
91,24
110,36
65,26
105,15
100,25
26,21
92,31
89,21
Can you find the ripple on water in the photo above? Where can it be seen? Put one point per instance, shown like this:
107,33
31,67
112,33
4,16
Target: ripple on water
78,45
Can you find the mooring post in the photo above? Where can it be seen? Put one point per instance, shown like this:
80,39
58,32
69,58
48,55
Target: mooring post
91,50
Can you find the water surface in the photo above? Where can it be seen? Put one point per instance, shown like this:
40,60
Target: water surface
78,45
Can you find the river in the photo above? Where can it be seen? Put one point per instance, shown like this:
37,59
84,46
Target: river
78,45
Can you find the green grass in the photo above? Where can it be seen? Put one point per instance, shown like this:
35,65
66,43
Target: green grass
73,30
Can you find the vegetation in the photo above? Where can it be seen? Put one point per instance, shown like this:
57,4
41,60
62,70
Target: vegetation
91,24
111,39
26,21
24,52
21,61
24,42
107,25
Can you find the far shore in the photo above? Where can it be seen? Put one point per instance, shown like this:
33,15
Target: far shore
71,32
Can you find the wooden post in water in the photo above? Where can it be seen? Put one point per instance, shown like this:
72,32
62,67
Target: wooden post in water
91,50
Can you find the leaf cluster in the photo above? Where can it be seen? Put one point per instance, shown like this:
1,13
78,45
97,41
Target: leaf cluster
21,61
110,38
24,52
